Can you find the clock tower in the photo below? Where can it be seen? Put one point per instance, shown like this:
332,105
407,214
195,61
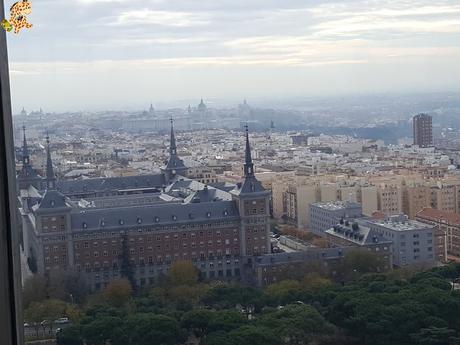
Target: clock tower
253,205
175,165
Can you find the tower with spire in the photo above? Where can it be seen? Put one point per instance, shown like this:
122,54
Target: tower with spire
175,165
50,176
253,203
151,109
27,176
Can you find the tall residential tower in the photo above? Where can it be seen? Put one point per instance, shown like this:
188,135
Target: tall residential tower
423,130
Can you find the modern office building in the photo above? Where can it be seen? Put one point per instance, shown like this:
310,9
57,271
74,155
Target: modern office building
423,130
324,215
413,241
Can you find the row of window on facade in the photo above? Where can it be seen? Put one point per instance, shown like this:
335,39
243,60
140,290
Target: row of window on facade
156,219
103,235
160,260
163,238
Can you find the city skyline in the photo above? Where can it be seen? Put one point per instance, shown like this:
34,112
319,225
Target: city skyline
104,53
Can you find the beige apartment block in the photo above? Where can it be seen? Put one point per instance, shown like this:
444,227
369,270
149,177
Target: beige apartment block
298,200
369,200
415,199
444,198
389,198
328,192
279,189
349,193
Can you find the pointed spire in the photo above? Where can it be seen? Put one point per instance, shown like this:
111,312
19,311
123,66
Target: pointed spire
172,144
50,176
25,149
248,165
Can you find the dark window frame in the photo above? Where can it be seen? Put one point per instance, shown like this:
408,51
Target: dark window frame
11,325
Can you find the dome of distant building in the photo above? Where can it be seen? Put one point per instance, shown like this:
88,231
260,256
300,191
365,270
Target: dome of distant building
202,106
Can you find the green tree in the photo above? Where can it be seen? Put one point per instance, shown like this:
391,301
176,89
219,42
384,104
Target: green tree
316,282
183,273
226,320
436,336
254,335
118,292
34,314
224,296
104,329
283,292
48,310
197,321
69,336
358,262
150,329
66,286
218,338
296,324
34,290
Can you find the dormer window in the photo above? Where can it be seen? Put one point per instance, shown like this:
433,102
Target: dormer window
121,222
85,226
174,217
190,216
52,203
225,213
208,214
102,223
157,219
139,220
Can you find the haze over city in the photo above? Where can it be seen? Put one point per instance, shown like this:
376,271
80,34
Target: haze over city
116,54
245,172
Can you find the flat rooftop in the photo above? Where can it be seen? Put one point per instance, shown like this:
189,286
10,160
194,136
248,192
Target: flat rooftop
406,225
336,205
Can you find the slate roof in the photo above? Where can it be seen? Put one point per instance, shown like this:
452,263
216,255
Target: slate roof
110,183
28,172
52,200
195,189
250,185
157,214
225,186
363,235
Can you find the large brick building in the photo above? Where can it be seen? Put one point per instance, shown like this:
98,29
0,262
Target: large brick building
95,226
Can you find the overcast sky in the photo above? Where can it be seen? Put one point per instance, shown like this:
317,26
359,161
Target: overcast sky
94,54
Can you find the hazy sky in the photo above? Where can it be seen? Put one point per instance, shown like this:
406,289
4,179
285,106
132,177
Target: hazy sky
93,54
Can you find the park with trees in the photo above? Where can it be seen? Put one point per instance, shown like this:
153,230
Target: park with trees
403,306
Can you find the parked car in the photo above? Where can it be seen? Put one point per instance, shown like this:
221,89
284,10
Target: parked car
62,320
44,323
26,324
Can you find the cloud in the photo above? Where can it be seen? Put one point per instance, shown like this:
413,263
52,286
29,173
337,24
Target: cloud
363,41
349,20
164,18
92,2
